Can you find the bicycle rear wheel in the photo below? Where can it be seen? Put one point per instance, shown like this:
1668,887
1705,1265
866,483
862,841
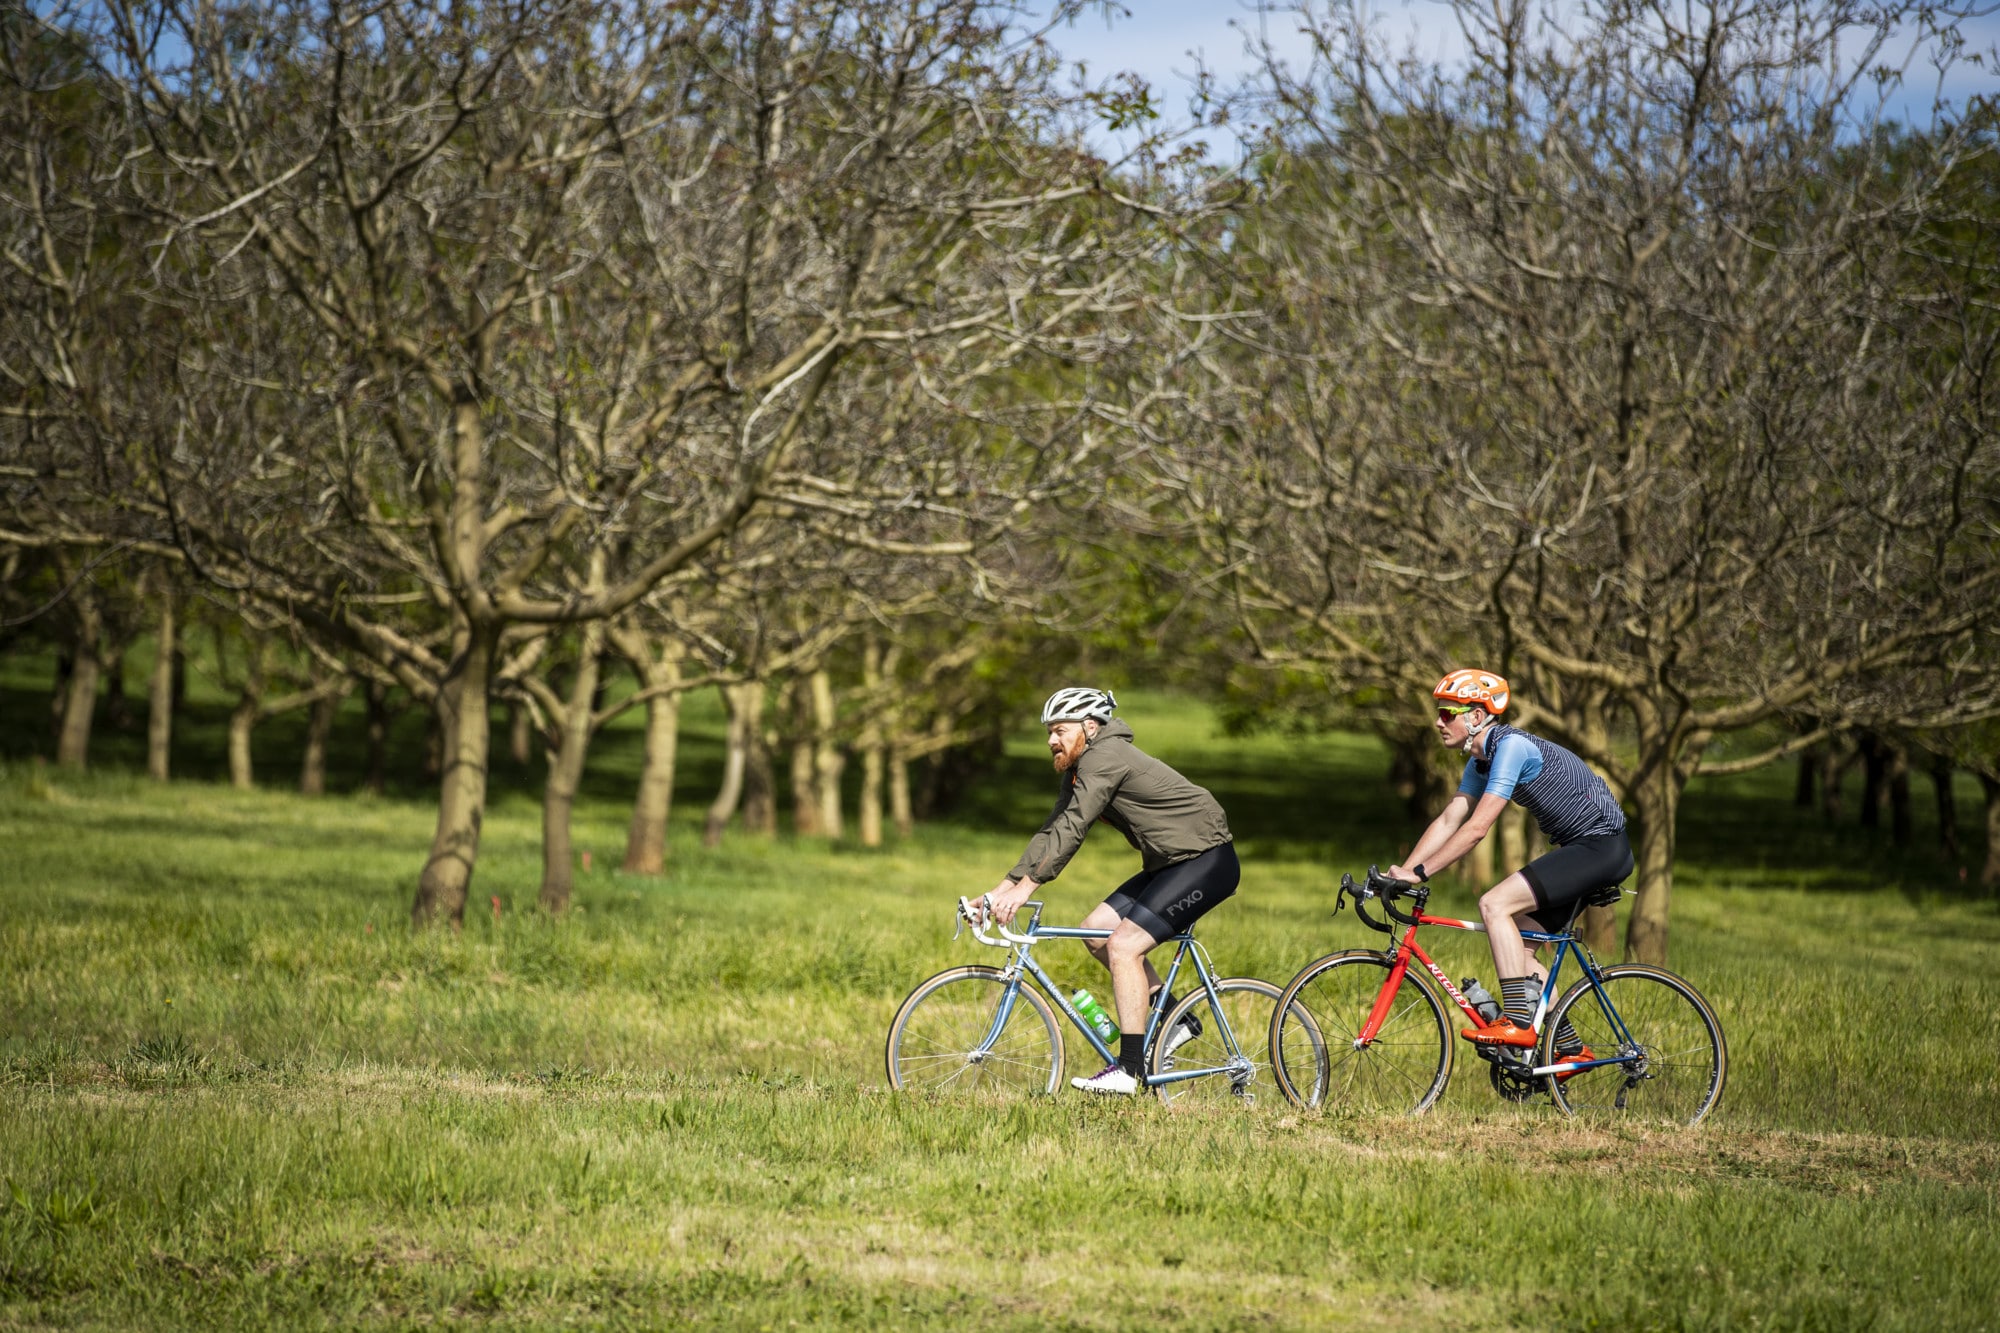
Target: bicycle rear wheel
1676,1062
1239,1057
1323,1064
935,1040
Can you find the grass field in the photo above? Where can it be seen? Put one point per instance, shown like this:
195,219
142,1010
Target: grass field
235,1089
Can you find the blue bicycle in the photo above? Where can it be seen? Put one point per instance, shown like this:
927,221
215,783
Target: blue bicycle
976,1030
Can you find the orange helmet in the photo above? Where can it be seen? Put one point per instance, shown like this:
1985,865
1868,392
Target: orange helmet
1470,686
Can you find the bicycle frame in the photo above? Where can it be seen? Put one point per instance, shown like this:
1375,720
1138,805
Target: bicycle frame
1406,947
1023,964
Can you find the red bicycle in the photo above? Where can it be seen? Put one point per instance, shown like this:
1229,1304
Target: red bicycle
1361,1031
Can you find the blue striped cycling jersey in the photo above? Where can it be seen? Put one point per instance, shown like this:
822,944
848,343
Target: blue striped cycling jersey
1567,800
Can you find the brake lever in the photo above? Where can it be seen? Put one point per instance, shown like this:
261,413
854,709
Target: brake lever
965,910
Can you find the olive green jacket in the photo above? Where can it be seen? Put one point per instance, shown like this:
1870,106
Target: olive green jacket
1160,812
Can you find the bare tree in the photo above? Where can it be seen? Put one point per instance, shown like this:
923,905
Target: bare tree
1604,360
525,285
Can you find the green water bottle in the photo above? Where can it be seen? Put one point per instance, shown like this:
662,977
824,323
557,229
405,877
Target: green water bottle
1093,1013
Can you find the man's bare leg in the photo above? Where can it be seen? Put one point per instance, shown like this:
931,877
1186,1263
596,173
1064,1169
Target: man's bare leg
1103,918
1498,908
1129,981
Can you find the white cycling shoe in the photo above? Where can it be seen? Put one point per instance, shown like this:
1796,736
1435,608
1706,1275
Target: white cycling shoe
1110,1081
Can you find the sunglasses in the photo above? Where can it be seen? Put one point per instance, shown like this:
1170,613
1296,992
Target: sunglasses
1446,712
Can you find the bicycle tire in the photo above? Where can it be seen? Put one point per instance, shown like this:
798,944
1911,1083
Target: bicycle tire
932,1038
1681,1060
1401,1071
1248,1004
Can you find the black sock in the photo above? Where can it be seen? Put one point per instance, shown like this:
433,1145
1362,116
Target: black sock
1132,1053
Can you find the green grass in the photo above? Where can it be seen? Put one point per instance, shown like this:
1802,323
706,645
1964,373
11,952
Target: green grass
236,1090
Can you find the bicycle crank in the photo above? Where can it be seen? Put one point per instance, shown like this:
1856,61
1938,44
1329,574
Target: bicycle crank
1509,1075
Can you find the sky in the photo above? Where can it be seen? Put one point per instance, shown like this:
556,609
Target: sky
1159,39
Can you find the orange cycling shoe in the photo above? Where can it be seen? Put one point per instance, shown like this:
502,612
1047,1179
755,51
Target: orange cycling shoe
1568,1074
1502,1031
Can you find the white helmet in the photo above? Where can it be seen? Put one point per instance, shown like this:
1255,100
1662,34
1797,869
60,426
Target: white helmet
1074,703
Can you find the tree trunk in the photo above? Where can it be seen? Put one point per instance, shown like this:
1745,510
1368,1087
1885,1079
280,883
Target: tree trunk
1874,764
319,725
1947,805
805,792
244,717
241,720
735,758
1803,789
760,779
465,733
900,814
565,761
1898,783
117,708
1833,764
160,694
59,691
646,840
931,799
79,692
78,712
378,737
434,740
828,761
520,735
1414,774
1989,878
1657,801
1600,929
869,814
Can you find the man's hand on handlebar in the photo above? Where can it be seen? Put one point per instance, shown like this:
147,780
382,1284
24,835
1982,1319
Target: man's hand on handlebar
1007,897
1404,873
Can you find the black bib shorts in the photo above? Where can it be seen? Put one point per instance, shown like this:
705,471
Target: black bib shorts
1574,872
1165,902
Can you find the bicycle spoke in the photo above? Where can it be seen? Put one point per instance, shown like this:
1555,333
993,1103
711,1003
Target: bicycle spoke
1239,1061
935,1044
1402,1069
1675,1072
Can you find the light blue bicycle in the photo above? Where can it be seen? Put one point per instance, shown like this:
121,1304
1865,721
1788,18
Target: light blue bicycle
976,1030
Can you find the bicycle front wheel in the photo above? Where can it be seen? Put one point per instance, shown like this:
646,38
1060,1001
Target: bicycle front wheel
1231,1045
1674,1066
1316,1051
942,1039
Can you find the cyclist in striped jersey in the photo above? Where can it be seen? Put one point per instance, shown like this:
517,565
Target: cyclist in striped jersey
1574,810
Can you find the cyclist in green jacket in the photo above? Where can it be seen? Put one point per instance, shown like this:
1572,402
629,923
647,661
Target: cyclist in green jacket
1188,863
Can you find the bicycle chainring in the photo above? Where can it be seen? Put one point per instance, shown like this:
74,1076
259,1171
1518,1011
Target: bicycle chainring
1510,1077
